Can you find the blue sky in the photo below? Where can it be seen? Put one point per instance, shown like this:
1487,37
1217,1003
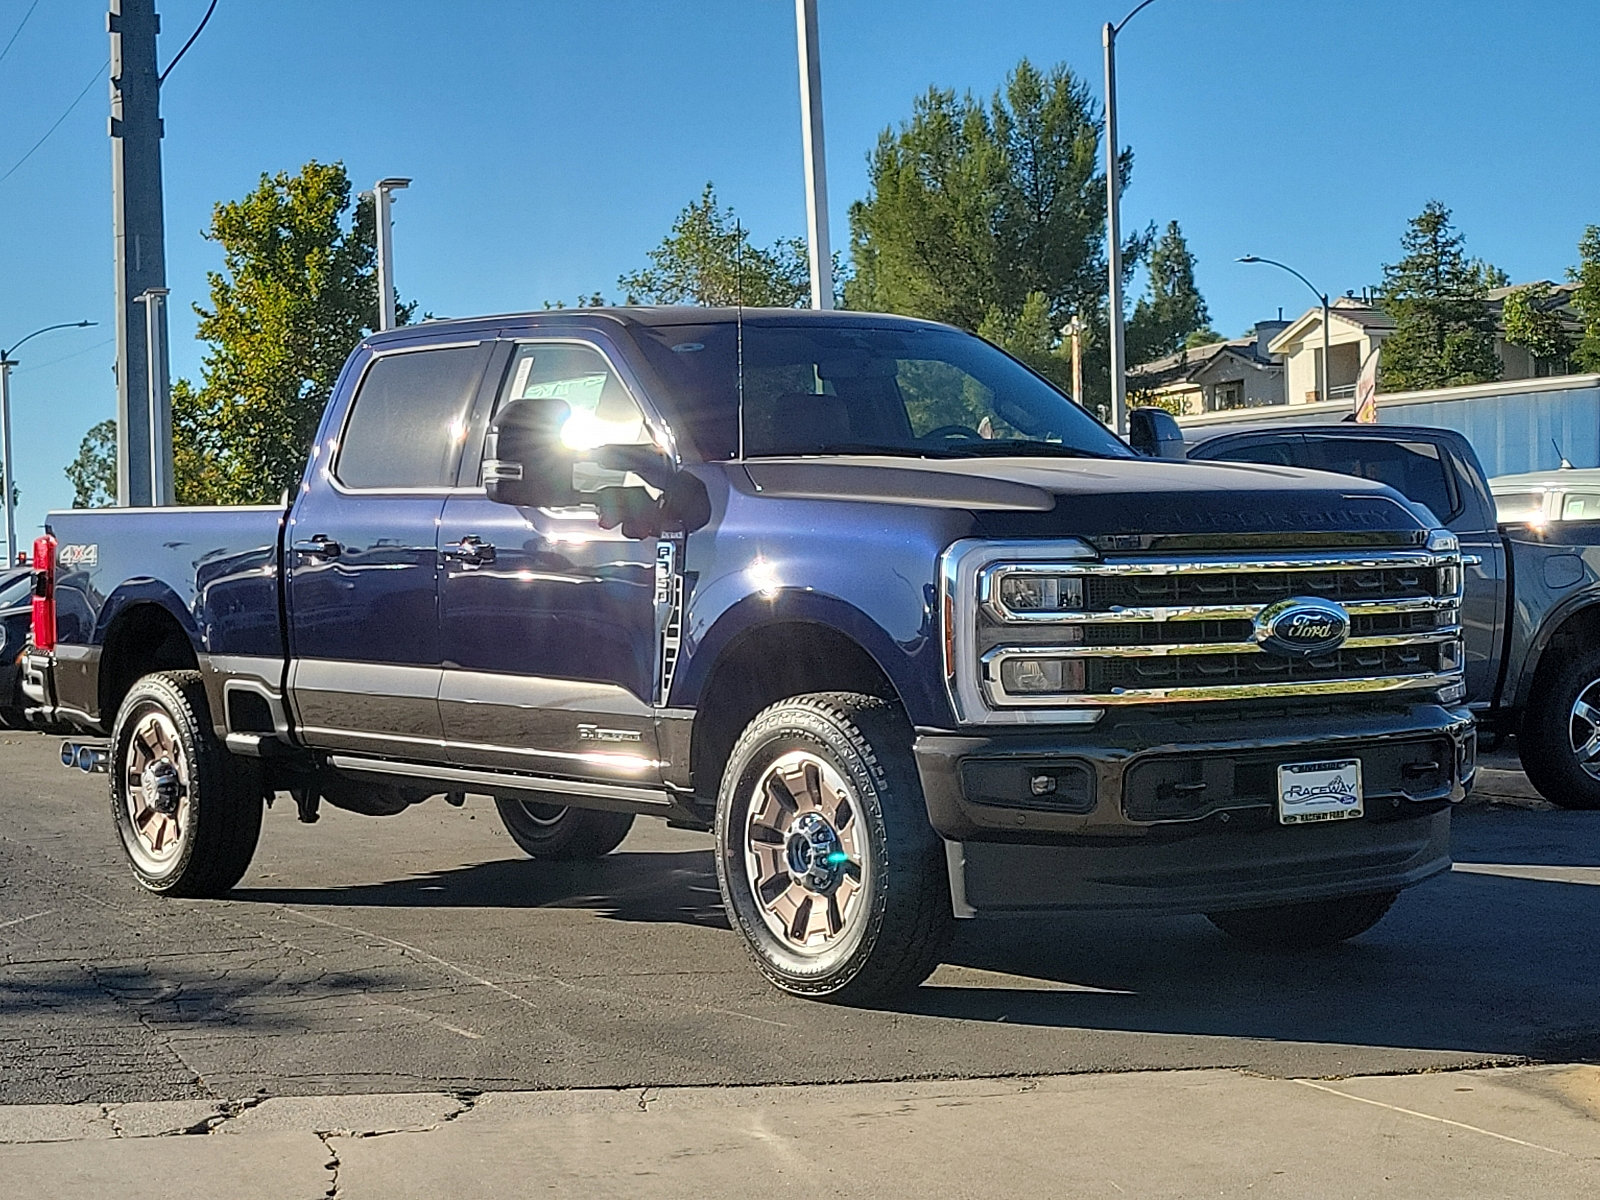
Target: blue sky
552,141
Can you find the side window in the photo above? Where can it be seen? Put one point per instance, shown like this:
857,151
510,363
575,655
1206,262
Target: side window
604,413
1580,506
1414,469
1274,454
408,421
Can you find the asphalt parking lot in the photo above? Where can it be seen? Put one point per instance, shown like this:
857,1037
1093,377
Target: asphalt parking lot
424,952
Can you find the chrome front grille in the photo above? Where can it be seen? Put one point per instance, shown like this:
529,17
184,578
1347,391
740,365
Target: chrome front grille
1045,631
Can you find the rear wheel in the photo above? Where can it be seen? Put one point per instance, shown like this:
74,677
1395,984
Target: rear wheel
1308,926
188,812
1559,743
555,831
825,858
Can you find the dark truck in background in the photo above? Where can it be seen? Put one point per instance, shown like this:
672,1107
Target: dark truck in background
909,631
1531,602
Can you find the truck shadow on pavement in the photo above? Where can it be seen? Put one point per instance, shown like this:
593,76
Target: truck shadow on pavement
1502,964
677,887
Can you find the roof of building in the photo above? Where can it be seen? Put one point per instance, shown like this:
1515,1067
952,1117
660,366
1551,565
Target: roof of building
1187,364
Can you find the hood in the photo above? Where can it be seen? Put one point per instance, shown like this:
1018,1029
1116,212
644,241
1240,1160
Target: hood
1125,503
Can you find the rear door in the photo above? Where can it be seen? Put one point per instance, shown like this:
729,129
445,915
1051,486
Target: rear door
549,642
362,554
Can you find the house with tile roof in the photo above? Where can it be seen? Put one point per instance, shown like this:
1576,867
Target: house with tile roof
1239,373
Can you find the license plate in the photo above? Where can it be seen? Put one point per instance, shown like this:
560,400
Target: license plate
1319,791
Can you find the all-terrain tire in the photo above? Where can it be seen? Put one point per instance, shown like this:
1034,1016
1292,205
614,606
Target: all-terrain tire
858,750
218,823
559,833
1308,926
1552,724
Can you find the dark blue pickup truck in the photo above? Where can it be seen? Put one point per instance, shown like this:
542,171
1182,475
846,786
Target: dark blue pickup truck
914,635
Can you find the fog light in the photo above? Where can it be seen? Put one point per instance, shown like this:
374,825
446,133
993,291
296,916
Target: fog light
1041,676
1042,785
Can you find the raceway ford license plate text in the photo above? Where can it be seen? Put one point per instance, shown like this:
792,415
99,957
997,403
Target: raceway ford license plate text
1319,791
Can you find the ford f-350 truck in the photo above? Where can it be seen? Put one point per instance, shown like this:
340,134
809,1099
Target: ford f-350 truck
914,636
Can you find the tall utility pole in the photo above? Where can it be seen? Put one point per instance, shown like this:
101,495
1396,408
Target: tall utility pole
381,201
137,223
805,19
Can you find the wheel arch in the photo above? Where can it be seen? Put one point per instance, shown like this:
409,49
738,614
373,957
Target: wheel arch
789,654
142,635
1575,624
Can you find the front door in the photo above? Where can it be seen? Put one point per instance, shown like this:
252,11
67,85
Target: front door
362,552
549,642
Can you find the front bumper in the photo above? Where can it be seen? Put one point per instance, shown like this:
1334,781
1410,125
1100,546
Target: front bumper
1151,810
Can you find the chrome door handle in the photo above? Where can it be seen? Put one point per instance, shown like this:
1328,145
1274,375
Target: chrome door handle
471,550
321,545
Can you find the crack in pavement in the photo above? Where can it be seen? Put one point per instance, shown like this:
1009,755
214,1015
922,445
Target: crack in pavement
332,1165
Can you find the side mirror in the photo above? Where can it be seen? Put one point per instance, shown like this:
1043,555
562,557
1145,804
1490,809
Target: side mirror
525,462
1154,433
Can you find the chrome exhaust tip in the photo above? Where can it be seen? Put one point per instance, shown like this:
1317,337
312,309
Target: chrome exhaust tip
91,760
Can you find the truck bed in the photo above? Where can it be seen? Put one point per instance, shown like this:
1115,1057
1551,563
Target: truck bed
216,569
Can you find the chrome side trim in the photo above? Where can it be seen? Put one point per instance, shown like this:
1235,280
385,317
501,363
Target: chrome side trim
492,782
630,762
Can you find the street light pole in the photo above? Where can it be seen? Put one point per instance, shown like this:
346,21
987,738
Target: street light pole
805,19
8,482
1324,388
1119,383
380,203
155,335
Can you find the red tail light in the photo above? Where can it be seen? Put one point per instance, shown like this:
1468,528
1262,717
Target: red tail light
44,592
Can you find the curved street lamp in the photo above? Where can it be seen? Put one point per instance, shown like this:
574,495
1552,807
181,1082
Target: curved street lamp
1119,383
1325,392
9,481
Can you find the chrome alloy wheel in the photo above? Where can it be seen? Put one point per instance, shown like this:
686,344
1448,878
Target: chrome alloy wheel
544,815
156,788
804,853
1583,729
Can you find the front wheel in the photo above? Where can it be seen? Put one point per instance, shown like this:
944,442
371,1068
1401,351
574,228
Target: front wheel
1559,742
825,859
555,831
188,813
1308,926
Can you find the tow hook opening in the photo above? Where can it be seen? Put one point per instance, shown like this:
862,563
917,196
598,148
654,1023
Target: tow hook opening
92,758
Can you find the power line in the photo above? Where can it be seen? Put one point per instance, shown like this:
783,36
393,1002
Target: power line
18,32
162,78
98,72
23,370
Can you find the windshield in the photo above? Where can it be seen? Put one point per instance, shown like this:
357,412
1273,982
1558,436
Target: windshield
823,388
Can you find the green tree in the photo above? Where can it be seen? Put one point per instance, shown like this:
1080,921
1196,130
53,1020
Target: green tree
1532,319
1205,336
93,474
974,209
1444,333
1586,299
1172,307
708,259
297,291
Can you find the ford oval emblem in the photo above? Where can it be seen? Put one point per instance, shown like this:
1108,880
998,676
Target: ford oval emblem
1302,627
